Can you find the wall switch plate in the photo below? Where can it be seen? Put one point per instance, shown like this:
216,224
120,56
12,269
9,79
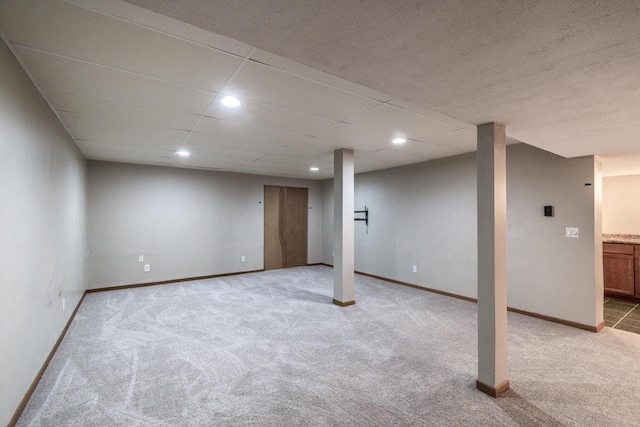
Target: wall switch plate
415,268
64,304
140,258
573,232
548,211
147,268
243,259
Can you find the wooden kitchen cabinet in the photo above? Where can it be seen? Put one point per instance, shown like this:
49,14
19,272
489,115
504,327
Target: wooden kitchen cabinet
621,269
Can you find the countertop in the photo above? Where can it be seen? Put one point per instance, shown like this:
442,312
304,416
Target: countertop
629,239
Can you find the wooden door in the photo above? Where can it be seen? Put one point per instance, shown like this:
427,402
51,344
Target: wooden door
285,227
296,226
274,223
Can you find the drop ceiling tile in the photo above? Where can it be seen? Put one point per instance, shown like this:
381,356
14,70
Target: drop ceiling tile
141,157
148,141
257,169
68,30
390,158
320,144
218,163
87,105
267,116
301,153
462,140
68,74
394,121
77,121
94,146
357,137
292,163
218,141
430,114
266,85
126,158
164,24
267,170
317,75
423,150
202,152
245,132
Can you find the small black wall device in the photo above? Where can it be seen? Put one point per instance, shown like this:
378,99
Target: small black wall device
548,211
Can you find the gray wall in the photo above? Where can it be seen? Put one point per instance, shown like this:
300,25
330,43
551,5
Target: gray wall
42,223
425,215
185,222
621,205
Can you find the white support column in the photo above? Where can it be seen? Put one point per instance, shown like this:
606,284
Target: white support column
343,236
492,260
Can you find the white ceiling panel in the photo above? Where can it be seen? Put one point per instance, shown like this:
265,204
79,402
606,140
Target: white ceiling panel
409,106
321,144
305,154
461,140
125,158
119,139
208,152
294,163
68,74
130,85
77,121
266,116
395,121
221,163
88,105
69,30
217,141
93,146
267,85
262,169
244,132
358,137
423,150
389,158
313,74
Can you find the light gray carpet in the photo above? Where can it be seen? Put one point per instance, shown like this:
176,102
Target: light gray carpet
269,349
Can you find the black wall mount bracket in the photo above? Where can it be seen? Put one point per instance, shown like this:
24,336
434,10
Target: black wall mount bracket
366,217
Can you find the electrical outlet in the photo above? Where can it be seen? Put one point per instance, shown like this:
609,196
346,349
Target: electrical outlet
415,268
243,259
573,232
140,258
64,304
147,268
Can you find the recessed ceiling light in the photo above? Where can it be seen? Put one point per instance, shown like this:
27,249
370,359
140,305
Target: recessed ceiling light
399,140
314,169
230,101
182,153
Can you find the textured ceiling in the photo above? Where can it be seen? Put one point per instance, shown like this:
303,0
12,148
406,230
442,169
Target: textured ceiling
562,75
136,84
131,85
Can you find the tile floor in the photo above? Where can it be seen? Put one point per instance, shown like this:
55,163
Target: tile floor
623,315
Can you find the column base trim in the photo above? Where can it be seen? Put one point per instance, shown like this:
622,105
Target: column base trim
491,391
343,304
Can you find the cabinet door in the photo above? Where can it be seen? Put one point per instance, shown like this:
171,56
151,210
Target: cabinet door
619,277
